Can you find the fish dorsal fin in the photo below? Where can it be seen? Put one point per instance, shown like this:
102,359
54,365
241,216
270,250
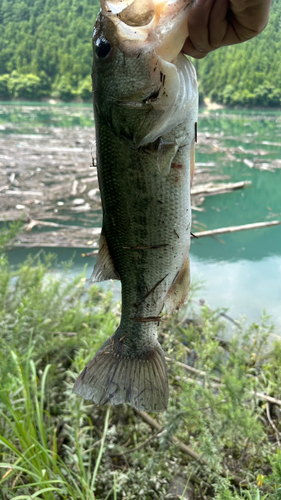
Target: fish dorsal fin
104,268
178,292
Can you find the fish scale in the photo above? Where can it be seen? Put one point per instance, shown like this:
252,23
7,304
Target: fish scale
144,153
150,223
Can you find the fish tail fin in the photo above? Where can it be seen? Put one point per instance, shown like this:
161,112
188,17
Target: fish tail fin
113,377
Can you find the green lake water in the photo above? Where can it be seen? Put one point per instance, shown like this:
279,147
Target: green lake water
242,271
239,271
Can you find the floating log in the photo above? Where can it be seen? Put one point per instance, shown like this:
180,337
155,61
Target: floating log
235,229
90,254
68,237
197,209
79,237
33,223
215,188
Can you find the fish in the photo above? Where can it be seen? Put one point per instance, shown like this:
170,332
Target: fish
145,107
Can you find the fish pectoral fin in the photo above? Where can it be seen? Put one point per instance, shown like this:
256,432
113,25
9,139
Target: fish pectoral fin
178,292
165,155
111,377
105,267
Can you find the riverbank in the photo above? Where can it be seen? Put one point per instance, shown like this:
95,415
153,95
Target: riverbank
204,102
55,445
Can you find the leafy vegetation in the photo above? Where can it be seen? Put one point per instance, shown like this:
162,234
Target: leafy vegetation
55,446
45,50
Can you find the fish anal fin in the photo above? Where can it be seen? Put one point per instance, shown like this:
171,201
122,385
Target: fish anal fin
112,377
104,268
178,292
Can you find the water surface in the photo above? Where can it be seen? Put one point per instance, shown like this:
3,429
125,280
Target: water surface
241,271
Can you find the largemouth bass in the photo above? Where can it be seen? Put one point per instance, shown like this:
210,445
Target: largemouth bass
145,106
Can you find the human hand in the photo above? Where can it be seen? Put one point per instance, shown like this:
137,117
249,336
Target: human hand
216,23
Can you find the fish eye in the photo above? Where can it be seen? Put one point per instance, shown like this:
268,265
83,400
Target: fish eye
103,48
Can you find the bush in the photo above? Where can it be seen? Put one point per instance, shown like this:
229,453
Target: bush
27,86
267,95
63,90
85,89
4,89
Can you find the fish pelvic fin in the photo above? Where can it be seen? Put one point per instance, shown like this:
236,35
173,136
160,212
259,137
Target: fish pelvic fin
105,267
111,377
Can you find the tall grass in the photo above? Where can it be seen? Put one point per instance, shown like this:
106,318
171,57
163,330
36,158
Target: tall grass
39,318
31,443
54,446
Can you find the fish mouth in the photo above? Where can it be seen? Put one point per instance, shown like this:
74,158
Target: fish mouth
159,25
131,12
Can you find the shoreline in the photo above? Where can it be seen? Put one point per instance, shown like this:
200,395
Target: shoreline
207,104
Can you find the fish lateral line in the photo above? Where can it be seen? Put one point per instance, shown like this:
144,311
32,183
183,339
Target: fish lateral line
150,291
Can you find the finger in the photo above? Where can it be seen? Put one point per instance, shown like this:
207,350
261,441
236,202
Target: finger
218,23
198,25
190,50
252,16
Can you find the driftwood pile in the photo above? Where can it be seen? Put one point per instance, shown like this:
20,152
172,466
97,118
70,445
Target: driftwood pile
48,180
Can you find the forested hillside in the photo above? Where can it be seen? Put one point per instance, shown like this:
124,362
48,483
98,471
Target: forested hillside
246,74
45,50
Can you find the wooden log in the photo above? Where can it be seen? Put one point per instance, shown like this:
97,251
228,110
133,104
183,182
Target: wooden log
193,370
188,450
66,237
76,236
183,447
235,229
222,187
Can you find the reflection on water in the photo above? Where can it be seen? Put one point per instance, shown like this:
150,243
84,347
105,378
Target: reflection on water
244,287
23,118
63,256
252,245
241,271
